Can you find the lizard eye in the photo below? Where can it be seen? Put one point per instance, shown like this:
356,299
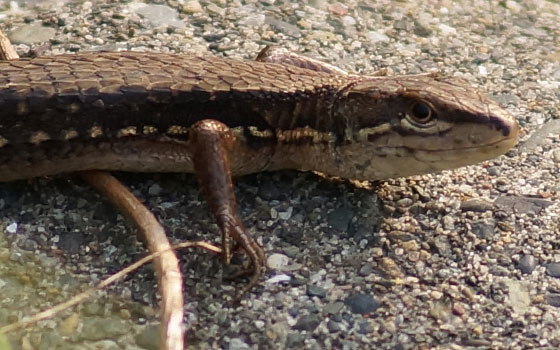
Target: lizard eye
420,113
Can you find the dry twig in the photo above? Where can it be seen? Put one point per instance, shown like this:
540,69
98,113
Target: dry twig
170,281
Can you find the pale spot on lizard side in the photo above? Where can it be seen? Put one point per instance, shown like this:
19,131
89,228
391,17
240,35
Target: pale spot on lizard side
69,134
149,130
177,130
128,131
95,131
3,141
38,137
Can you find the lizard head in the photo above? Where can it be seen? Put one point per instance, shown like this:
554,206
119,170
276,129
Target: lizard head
409,125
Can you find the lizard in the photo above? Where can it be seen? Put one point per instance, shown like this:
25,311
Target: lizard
219,118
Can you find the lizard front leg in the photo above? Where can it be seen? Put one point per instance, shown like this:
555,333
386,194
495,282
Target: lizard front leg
211,141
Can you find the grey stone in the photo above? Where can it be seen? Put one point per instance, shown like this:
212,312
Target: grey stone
527,264
31,34
521,204
553,299
538,137
476,205
315,291
238,344
376,37
149,338
158,15
307,323
553,269
361,303
333,308
340,218
483,229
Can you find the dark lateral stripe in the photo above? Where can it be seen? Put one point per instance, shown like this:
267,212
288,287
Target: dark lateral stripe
497,122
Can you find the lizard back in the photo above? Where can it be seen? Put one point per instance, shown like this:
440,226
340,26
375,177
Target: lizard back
103,94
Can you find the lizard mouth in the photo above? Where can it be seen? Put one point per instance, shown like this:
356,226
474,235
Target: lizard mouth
502,146
497,145
457,157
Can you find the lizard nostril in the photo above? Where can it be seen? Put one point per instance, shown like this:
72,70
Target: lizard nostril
508,126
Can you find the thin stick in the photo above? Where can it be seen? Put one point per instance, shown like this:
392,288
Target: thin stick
166,265
7,51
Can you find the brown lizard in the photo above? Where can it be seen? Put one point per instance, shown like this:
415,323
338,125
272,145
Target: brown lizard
218,118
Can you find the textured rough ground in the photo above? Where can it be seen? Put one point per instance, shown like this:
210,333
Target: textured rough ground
459,260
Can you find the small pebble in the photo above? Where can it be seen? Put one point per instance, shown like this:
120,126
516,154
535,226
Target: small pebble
553,269
527,264
361,304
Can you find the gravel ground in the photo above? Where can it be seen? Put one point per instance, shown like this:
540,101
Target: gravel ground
459,260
